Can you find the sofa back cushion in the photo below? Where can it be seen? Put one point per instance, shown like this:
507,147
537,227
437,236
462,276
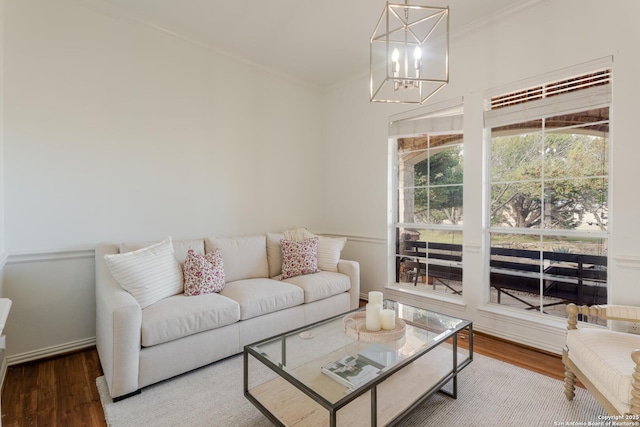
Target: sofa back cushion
329,250
274,253
244,257
180,247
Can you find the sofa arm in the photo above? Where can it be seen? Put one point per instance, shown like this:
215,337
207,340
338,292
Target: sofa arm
623,313
351,269
118,326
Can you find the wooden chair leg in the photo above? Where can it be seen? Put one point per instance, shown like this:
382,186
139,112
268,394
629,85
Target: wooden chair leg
569,383
635,384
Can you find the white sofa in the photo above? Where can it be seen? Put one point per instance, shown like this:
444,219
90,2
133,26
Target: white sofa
139,347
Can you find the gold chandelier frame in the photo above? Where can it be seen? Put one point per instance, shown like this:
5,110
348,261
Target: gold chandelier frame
409,53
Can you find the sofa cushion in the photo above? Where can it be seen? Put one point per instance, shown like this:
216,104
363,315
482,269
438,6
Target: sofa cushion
244,257
299,257
274,253
261,296
329,250
180,247
149,274
179,316
604,356
321,285
203,274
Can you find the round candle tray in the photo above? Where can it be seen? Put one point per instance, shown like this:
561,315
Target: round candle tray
354,325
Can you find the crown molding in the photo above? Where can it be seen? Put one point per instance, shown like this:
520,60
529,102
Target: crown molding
501,15
119,13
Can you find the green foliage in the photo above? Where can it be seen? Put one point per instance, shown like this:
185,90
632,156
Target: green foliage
439,178
574,167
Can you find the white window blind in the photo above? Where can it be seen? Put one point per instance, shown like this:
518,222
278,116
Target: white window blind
443,117
563,92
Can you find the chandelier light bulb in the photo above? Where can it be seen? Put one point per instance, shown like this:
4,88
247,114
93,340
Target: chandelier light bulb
417,55
395,56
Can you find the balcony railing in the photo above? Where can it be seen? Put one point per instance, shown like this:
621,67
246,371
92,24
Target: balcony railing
564,277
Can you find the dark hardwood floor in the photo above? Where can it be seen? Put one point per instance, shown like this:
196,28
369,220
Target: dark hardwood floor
61,391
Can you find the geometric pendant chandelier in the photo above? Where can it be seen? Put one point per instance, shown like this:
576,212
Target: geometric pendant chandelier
409,60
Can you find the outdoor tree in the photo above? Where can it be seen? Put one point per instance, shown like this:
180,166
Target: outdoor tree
439,179
574,166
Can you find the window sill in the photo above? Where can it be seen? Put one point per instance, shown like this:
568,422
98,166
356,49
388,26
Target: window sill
421,297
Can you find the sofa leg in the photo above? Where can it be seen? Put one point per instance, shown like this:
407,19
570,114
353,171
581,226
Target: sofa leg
569,383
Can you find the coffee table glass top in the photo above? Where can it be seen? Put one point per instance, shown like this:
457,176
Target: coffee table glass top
301,355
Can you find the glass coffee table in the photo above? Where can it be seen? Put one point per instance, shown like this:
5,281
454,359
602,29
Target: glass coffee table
324,374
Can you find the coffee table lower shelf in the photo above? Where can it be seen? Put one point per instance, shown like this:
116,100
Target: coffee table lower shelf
395,396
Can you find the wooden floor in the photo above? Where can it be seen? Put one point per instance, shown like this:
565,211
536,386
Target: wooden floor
61,391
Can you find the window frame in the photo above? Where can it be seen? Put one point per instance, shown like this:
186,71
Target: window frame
576,101
433,120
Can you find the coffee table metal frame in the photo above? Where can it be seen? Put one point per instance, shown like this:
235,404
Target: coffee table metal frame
370,386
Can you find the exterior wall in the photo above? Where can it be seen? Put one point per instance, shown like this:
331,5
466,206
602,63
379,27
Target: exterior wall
540,38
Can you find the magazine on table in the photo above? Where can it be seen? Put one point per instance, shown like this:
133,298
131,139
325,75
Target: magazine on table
350,371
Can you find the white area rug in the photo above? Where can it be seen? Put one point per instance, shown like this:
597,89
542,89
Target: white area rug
490,393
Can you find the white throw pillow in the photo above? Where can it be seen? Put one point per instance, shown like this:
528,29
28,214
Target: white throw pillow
149,274
329,249
180,247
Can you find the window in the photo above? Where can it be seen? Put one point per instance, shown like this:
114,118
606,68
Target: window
428,164
548,207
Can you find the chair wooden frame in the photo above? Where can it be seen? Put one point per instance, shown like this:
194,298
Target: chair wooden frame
572,371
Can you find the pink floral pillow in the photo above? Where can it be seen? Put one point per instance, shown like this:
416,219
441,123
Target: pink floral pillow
299,257
203,274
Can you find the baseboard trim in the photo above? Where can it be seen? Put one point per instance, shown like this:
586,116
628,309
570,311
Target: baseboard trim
517,322
3,371
520,339
56,350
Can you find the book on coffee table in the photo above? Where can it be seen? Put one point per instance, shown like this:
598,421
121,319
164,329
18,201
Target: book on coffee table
350,371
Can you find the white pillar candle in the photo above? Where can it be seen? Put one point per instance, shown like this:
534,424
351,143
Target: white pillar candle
388,319
372,320
375,297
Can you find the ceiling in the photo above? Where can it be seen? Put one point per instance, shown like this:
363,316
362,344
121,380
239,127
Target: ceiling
320,42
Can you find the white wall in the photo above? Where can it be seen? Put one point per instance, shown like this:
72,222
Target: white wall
115,131
536,40
1,140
